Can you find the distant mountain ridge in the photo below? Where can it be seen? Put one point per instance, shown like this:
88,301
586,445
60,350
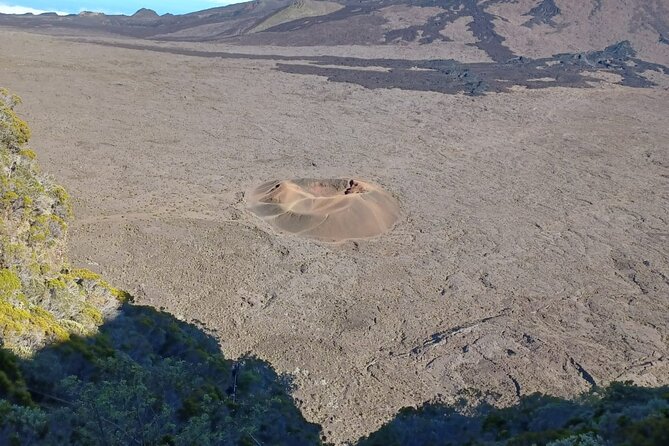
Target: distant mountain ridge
146,13
502,29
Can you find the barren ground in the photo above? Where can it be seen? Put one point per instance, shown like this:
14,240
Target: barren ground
532,253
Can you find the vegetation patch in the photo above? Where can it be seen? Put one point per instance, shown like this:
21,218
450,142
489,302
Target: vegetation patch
41,300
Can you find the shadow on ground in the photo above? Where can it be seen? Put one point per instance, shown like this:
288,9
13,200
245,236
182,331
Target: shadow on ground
146,378
149,379
621,414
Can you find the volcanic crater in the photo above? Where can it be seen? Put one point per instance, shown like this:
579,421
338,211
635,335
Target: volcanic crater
331,210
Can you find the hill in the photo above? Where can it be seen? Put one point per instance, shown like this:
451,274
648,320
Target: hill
500,29
296,11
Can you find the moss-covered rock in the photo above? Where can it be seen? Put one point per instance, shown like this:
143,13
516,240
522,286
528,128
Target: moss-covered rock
14,129
9,283
41,299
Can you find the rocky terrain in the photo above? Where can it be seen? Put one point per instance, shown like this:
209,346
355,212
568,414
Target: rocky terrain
143,377
525,143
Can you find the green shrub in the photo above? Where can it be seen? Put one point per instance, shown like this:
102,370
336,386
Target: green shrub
9,283
40,304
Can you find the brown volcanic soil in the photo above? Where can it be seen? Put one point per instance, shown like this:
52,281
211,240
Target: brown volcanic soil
532,253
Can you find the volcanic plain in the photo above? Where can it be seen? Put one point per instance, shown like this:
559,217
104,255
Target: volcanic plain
531,247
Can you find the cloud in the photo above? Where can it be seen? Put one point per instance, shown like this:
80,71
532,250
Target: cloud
102,11
11,9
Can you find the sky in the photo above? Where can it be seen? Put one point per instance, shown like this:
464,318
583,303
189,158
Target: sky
107,6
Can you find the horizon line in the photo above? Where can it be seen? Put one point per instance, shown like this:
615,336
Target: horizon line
20,10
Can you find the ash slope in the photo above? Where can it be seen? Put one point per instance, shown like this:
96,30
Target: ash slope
499,28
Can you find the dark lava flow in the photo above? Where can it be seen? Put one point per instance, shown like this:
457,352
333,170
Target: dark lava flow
449,76
543,13
481,26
